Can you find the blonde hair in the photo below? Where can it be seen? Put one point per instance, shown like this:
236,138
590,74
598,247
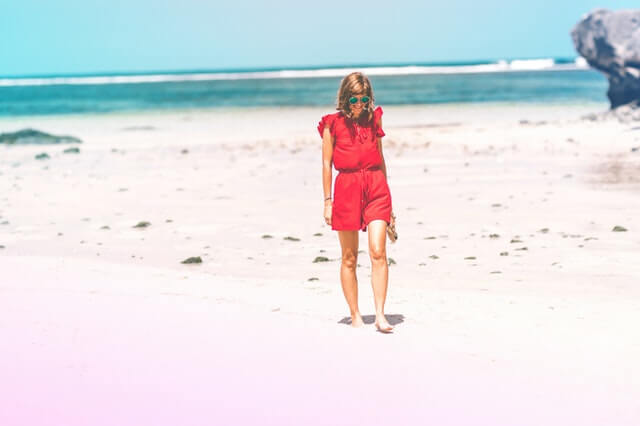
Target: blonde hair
356,82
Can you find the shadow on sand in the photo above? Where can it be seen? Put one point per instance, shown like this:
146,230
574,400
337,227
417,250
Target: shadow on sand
393,319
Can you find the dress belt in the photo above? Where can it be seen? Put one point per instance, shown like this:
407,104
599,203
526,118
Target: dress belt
359,170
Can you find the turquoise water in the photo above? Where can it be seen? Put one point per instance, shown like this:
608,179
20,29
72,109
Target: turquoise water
142,92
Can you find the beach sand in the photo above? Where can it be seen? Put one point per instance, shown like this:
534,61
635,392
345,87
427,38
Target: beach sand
514,302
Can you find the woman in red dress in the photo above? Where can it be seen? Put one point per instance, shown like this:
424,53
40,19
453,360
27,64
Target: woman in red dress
352,142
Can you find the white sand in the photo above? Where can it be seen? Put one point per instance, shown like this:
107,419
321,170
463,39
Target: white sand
106,326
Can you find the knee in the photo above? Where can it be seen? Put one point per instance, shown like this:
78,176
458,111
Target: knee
378,255
349,260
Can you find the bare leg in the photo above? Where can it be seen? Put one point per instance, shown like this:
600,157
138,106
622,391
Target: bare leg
379,270
349,245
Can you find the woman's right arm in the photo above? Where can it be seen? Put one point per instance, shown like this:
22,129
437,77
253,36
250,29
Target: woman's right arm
327,165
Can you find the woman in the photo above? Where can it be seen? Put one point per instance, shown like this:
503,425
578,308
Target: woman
352,141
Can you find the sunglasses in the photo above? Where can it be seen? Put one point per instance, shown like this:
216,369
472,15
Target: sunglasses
353,100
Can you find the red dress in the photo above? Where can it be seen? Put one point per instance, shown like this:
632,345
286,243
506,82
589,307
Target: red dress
361,193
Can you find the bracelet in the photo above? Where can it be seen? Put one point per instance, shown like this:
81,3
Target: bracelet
328,198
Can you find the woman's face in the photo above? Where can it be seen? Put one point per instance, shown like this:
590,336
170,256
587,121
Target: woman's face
358,107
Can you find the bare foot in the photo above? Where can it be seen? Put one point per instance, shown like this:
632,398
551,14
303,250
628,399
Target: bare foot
383,326
357,321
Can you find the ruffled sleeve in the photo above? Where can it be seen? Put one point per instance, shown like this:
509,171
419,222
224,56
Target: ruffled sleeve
377,114
327,121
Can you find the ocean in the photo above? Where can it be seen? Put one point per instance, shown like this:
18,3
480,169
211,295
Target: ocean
543,81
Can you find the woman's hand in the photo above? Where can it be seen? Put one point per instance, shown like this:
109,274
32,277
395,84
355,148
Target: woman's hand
393,219
328,206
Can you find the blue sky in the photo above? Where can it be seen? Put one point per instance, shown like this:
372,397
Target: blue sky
85,36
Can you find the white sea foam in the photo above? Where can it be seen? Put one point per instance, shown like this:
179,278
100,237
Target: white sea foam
516,65
581,62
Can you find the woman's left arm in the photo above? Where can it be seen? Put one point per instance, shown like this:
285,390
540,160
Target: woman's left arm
379,141
384,167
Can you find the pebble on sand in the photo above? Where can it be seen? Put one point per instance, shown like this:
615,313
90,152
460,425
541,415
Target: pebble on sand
193,259
320,259
292,239
142,224
42,156
619,228
267,236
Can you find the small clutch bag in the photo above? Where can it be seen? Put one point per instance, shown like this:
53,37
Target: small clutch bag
391,231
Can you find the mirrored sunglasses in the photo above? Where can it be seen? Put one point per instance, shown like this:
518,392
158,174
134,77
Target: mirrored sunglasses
353,100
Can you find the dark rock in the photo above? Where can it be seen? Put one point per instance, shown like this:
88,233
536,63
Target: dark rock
73,150
433,256
318,234
292,239
619,229
320,259
138,128
313,279
494,236
34,137
504,253
391,261
194,259
42,156
610,42
142,224
470,258
266,236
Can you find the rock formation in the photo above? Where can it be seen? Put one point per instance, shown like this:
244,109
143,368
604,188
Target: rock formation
34,137
610,42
